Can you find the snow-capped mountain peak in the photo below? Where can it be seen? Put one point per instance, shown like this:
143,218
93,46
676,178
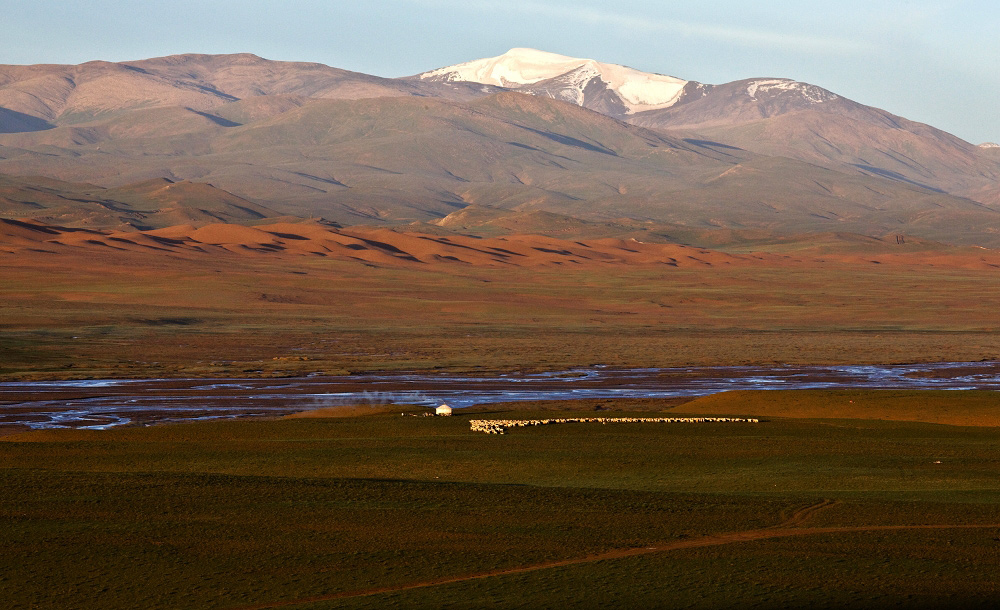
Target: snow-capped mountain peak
569,78
514,68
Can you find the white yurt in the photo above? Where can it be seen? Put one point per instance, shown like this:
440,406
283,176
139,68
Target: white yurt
443,410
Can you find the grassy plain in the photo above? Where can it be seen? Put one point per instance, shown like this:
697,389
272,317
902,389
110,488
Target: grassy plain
311,511
133,315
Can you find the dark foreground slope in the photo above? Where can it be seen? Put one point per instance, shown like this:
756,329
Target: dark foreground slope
387,511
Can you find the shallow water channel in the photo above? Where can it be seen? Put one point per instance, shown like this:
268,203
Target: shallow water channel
105,403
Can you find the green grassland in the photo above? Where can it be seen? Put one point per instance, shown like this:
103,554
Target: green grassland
249,513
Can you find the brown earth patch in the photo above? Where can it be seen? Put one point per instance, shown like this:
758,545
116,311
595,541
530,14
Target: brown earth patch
968,408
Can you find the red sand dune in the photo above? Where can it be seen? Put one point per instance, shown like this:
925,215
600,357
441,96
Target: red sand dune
389,247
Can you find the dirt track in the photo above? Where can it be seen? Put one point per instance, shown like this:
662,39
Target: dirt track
785,529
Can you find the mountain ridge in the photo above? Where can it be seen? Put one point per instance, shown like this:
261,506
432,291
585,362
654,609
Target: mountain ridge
71,94
759,114
306,139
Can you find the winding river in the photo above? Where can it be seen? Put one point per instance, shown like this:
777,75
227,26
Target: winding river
105,403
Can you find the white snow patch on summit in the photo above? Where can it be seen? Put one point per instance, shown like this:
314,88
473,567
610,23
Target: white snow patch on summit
810,92
519,68
989,145
515,67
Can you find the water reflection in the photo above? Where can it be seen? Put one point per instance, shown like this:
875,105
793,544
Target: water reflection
106,403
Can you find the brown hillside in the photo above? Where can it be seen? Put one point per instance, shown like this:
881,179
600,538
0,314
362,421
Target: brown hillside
406,159
153,203
303,139
64,94
811,124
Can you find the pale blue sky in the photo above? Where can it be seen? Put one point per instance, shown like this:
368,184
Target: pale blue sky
931,61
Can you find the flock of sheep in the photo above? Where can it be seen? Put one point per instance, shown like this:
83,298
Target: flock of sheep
498,426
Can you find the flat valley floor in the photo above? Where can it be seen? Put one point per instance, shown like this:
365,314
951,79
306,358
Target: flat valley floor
106,309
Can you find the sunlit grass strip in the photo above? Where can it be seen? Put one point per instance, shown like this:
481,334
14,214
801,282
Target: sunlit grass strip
498,426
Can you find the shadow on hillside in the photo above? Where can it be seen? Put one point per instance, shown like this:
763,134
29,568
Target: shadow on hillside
12,121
